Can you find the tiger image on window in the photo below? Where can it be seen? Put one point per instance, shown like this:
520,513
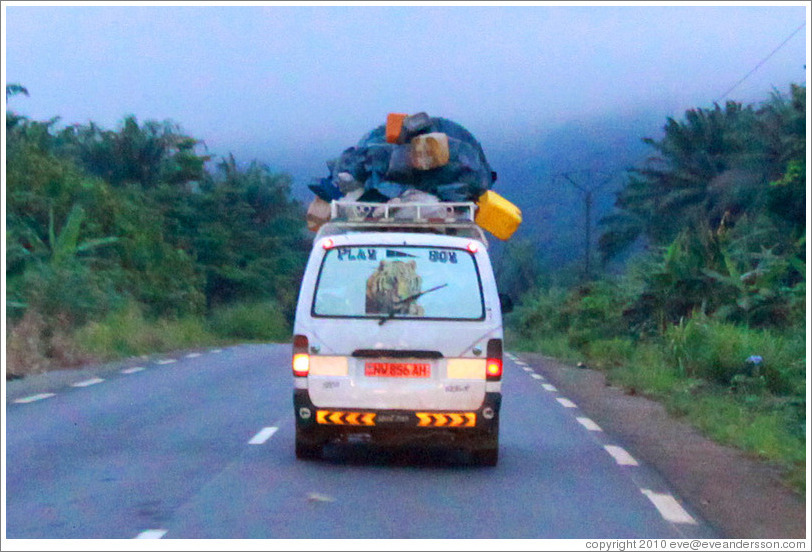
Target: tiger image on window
389,285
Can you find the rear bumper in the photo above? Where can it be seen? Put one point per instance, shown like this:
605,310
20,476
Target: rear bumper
318,425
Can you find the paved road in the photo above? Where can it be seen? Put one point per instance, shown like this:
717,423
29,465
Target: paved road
200,445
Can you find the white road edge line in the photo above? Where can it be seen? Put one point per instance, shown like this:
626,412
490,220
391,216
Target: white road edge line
151,534
216,351
33,398
537,376
566,403
132,370
166,361
620,455
549,387
589,424
87,382
264,434
669,508
193,355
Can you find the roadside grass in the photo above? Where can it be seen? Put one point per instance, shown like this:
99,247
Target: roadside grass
556,346
253,321
36,344
700,374
129,333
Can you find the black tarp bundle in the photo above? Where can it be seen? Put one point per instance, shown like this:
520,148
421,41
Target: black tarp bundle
376,170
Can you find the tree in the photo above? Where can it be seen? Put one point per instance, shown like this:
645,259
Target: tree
12,89
724,200
148,154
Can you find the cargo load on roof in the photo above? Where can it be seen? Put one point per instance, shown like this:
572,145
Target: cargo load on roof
415,158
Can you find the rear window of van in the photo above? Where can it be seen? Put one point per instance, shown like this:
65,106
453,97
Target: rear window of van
385,282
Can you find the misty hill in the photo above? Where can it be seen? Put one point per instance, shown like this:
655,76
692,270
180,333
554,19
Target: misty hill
595,153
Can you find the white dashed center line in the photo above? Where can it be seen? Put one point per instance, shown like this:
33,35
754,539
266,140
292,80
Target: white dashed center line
549,387
262,436
152,534
620,455
132,370
87,383
589,424
33,398
669,508
566,402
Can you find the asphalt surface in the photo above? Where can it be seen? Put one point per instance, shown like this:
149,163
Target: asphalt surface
200,445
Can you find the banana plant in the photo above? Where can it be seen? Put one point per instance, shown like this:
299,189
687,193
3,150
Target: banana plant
66,246
61,247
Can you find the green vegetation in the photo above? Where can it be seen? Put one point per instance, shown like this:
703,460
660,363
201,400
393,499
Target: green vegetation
708,315
250,321
134,240
126,332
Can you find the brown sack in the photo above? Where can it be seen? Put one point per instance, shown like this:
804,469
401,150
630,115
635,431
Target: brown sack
429,151
317,214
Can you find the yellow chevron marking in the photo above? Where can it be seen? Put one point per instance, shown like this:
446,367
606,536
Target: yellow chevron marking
351,418
446,419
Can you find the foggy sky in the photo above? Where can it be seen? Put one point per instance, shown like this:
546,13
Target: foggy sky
294,86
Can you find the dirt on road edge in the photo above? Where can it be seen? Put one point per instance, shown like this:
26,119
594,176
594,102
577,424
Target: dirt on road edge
742,497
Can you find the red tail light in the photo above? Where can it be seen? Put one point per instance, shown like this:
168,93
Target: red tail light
493,366
301,356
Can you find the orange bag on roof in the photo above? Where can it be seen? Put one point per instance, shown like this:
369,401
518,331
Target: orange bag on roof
394,124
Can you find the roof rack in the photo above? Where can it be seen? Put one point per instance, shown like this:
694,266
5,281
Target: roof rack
449,218
401,212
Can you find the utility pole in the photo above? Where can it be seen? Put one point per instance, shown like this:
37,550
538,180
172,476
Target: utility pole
587,191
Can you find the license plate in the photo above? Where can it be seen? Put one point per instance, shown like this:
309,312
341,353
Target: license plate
397,369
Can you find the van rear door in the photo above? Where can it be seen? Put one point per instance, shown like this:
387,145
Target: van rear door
395,326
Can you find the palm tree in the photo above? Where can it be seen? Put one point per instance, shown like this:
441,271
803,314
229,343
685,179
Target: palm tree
13,89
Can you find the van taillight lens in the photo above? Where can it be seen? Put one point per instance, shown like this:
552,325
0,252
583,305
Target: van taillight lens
301,356
493,366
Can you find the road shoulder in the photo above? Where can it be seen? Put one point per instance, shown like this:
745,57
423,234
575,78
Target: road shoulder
739,495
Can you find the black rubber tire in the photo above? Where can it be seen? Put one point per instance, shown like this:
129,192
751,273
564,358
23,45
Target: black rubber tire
308,446
488,457
307,451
